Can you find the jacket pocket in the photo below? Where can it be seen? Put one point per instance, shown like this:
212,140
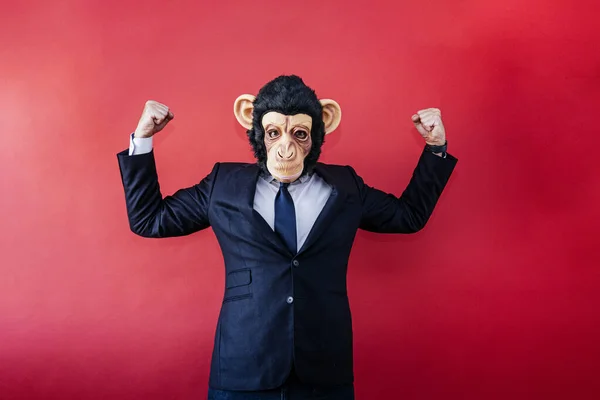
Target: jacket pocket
239,277
238,285
238,297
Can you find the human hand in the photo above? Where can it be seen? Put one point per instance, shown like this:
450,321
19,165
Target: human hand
154,118
429,124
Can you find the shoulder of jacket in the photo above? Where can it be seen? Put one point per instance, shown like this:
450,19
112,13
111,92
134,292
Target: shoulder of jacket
336,168
232,166
331,166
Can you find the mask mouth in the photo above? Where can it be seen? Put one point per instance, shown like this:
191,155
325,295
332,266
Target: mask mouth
287,164
287,170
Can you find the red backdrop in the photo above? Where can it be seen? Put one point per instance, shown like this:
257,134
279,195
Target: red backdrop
497,298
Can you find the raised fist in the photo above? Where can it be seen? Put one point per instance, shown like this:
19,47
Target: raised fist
154,118
429,124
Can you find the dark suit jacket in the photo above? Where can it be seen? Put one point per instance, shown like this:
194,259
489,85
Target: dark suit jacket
280,309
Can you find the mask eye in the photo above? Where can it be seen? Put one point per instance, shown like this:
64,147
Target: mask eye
302,135
273,133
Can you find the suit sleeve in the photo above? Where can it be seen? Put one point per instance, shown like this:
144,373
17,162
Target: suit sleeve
151,215
385,213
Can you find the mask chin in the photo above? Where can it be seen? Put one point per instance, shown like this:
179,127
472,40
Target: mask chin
285,175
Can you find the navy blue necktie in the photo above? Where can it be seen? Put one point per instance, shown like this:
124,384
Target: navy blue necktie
285,217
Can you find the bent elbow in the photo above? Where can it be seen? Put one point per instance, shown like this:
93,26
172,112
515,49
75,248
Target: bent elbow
143,230
412,229
139,232
416,223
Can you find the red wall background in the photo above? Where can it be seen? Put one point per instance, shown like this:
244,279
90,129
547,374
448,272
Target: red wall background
496,299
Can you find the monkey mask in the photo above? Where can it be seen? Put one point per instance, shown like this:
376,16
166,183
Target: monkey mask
286,125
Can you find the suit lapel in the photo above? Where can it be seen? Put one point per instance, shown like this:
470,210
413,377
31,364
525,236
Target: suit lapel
246,185
332,208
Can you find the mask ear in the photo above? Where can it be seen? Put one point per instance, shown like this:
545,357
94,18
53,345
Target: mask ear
242,108
332,115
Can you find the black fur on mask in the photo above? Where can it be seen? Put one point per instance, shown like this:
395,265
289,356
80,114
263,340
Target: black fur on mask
288,95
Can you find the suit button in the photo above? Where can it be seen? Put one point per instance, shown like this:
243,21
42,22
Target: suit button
295,263
290,300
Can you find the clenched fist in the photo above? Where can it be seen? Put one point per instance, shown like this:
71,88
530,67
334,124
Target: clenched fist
429,124
154,118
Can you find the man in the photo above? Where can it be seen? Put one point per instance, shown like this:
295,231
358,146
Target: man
285,225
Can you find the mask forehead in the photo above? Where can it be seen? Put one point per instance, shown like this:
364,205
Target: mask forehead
286,121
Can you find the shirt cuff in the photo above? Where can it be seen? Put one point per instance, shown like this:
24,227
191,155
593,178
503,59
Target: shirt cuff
139,145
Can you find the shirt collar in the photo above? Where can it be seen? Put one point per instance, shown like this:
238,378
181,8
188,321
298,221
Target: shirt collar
270,179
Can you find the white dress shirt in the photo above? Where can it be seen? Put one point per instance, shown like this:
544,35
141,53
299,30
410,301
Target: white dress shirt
310,193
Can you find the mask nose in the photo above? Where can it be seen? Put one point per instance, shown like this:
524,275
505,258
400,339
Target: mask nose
286,150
